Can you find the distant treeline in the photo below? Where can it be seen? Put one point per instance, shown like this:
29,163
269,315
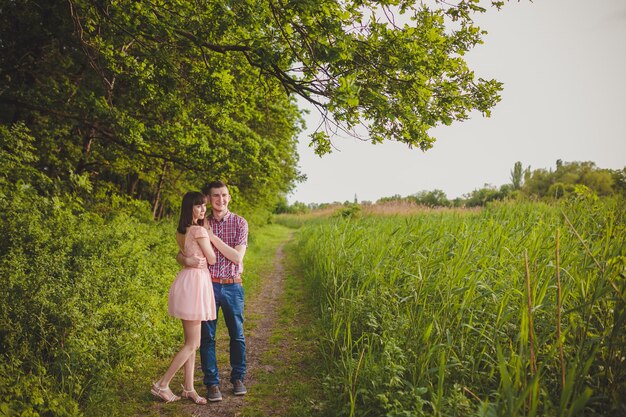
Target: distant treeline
540,184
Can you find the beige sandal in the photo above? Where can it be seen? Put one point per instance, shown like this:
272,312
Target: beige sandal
165,394
193,396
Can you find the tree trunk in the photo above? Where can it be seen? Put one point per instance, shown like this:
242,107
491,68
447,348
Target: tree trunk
162,210
133,180
159,189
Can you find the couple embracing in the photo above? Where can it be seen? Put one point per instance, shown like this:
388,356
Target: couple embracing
212,247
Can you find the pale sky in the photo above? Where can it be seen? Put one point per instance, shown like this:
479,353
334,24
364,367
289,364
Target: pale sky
563,65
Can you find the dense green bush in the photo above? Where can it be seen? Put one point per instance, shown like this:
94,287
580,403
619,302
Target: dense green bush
82,301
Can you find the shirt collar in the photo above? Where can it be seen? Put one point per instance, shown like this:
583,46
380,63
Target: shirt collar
226,217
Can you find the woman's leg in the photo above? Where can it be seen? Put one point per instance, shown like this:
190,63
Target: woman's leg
192,336
192,341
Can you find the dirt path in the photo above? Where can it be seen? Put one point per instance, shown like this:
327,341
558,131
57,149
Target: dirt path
261,318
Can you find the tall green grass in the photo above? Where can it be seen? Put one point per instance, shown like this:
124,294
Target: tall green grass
453,314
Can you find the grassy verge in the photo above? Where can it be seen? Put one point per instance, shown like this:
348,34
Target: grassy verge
291,386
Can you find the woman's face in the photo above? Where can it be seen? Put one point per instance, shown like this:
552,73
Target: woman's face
198,212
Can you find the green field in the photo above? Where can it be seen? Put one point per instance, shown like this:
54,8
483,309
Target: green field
512,310
516,310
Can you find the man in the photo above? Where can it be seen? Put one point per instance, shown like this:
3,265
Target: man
230,240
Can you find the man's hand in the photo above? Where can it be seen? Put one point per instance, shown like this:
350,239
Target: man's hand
191,261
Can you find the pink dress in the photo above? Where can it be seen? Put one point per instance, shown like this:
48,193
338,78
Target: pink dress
191,294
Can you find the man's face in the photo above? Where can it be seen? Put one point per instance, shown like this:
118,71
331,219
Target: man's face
219,199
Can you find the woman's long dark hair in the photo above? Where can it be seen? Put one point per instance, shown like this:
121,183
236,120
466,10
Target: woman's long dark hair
192,198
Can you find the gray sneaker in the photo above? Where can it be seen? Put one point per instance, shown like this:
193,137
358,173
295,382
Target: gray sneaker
239,388
214,393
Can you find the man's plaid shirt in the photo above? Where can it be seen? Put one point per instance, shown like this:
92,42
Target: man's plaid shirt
233,230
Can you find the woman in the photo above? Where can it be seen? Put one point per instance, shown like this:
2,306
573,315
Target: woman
191,296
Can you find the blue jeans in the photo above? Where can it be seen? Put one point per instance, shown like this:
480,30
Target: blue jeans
228,297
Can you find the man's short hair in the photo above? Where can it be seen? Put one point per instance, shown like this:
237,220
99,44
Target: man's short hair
206,190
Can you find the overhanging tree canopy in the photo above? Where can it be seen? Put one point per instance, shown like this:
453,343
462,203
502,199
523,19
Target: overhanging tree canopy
151,95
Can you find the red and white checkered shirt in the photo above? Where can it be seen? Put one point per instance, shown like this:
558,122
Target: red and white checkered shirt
233,230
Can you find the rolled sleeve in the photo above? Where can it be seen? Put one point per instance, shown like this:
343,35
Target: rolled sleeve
241,238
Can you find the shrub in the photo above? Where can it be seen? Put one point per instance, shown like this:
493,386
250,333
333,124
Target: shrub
82,300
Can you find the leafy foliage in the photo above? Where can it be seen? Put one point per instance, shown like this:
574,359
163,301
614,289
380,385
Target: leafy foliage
517,175
81,302
562,181
115,105
148,99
